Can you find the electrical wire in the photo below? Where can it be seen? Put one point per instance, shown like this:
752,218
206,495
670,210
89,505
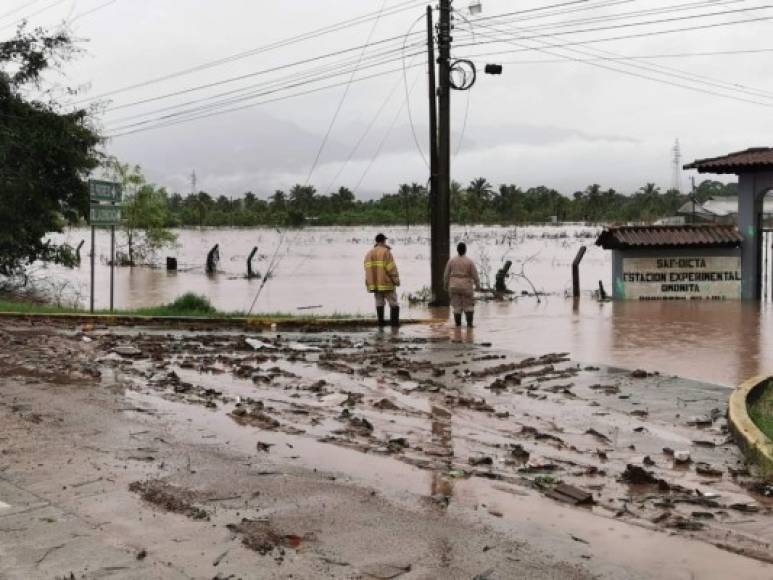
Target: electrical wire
621,37
643,56
387,134
645,23
330,29
28,16
18,9
253,74
407,93
664,70
643,76
92,11
321,73
247,106
262,92
469,93
365,134
343,96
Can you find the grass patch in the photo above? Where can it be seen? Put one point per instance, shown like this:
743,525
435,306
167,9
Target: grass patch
761,411
188,305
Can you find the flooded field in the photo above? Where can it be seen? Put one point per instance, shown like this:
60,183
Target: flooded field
320,271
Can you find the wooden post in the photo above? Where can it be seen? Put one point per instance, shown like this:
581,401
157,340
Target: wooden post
576,271
602,292
250,273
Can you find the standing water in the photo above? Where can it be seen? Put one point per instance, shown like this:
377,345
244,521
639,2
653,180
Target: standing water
320,272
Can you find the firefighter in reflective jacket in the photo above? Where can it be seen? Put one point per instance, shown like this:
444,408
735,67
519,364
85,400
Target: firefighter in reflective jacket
381,278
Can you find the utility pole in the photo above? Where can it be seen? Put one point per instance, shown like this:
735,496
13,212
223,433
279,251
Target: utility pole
441,202
434,192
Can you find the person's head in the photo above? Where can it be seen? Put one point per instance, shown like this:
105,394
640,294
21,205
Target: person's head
381,239
461,248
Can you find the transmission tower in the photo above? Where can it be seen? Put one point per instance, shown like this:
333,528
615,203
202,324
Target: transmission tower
676,180
193,183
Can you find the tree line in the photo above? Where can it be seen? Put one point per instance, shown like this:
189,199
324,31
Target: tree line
477,203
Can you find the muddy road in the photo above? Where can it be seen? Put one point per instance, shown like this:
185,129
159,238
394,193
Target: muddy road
146,453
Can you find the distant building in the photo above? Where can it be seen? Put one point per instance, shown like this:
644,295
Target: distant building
720,210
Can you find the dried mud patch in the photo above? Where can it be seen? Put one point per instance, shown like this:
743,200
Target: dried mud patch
169,498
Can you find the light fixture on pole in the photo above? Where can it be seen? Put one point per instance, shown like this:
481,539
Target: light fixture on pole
475,8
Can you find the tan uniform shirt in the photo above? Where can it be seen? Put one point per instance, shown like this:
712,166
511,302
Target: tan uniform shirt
461,275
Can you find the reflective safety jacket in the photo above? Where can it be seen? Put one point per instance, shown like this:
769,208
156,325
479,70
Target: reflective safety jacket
381,270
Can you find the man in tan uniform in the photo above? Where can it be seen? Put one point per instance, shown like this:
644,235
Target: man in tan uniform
381,279
461,281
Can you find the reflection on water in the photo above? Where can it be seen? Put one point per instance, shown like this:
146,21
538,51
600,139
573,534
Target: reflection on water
718,342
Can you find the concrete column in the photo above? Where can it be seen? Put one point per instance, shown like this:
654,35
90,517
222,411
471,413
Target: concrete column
749,208
751,192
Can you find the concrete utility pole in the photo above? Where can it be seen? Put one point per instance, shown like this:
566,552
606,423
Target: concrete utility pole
441,196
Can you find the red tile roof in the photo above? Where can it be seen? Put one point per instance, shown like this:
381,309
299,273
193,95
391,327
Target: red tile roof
753,159
694,236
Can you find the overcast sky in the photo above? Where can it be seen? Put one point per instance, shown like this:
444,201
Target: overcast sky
547,120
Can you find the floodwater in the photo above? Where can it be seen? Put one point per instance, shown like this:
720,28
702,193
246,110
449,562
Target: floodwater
319,271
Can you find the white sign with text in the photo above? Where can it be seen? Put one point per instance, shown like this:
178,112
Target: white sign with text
682,278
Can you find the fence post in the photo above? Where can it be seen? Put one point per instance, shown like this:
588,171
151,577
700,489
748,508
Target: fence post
576,271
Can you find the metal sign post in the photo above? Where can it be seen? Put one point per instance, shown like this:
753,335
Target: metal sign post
112,266
105,210
93,253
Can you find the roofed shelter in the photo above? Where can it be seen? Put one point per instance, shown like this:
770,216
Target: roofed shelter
754,168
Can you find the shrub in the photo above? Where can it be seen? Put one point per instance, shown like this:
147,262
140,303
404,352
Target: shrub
190,302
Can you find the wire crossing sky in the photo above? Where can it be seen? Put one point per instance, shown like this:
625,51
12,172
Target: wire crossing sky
260,96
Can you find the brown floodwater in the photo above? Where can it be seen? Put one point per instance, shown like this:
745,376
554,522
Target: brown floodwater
320,272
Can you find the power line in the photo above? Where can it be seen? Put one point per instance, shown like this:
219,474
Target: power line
611,17
645,23
386,135
92,11
662,70
252,74
635,74
364,134
407,93
259,50
278,87
251,105
613,38
344,95
24,18
18,9
319,73
640,56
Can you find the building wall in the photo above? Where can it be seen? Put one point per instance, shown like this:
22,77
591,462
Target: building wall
679,269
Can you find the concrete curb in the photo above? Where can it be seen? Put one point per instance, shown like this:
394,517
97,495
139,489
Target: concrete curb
281,323
748,436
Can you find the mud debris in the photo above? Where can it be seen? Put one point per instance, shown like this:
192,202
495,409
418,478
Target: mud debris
169,498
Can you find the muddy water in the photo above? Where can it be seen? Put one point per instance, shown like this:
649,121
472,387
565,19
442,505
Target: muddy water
319,271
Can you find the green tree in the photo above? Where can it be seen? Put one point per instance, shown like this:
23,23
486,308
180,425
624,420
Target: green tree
46,154
146,213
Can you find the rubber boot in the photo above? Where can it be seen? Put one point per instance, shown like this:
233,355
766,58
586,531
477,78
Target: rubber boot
458,318
380,314
394,316
470,316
